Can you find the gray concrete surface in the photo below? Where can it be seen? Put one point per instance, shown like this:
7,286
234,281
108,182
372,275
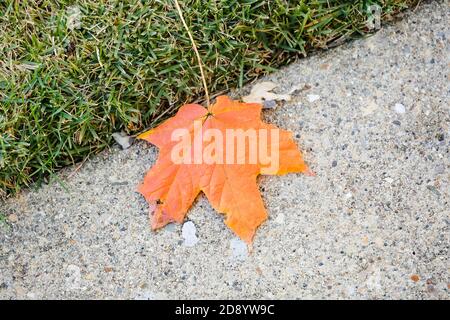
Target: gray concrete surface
373,220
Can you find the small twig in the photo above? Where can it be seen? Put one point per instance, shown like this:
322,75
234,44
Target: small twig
199,60
77,168
417,5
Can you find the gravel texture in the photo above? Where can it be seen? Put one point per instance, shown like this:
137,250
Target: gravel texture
372,118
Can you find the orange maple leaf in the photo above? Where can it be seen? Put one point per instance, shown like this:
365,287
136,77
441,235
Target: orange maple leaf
229,182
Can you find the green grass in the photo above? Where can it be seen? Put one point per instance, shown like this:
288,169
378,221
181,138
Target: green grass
130,65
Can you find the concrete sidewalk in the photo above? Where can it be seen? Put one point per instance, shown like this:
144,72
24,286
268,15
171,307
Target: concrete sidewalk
372,118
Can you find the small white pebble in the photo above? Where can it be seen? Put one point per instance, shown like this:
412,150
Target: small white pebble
188,233
313,97
399,108
239,249
279,219
122,139
73,277
351,291
31,295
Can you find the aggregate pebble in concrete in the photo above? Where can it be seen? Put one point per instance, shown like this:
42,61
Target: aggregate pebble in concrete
188,232
373,223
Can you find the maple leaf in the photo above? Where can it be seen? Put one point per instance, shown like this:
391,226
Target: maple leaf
226,175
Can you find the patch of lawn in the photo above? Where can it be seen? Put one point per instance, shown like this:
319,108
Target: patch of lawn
73,72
